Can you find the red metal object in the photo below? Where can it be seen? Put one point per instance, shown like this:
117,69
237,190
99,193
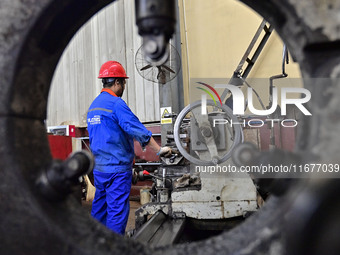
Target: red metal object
64,130
148,155
60,146
285,136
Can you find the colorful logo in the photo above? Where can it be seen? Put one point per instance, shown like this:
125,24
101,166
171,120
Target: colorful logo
209,93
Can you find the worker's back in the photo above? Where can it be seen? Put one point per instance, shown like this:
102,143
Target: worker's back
111,146
112,127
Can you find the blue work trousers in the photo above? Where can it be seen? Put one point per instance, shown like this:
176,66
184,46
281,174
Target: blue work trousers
111,202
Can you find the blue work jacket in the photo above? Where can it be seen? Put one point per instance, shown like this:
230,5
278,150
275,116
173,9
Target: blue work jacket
112,126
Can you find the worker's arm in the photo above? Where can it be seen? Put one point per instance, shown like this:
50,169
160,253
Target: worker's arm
161,151
129,122
131,125
154,145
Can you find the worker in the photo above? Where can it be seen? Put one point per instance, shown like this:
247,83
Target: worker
112,127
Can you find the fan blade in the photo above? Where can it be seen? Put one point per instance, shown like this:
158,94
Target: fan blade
168,68
146,67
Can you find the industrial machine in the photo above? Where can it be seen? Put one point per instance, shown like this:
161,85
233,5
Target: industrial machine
201,183
198,183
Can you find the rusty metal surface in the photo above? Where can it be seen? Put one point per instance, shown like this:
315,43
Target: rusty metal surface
33,35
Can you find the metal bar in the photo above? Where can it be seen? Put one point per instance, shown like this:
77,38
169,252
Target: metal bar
147,231
251,46
280,76
271,87
148,164
235,80
160,230
245,57
257,52
169,233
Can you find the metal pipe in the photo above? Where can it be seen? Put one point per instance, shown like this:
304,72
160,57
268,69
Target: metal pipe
156,21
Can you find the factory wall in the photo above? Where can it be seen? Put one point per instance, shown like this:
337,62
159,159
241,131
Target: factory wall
215,35
213,38
110,35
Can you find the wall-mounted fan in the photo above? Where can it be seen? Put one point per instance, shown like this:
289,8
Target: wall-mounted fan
162,73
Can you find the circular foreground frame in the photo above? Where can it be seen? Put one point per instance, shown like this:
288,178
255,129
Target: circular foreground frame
33,35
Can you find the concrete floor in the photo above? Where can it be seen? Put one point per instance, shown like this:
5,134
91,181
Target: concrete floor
134,205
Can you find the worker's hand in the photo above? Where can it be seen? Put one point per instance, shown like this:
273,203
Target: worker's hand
165,152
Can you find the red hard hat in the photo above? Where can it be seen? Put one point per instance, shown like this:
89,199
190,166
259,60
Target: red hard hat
112,69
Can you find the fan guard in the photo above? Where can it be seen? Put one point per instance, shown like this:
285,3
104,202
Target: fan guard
162,73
